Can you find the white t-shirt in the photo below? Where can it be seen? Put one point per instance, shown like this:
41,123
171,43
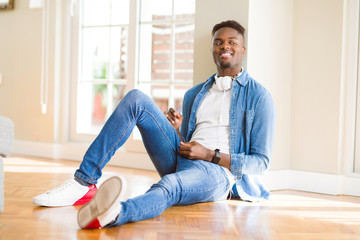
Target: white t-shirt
212,120
212,123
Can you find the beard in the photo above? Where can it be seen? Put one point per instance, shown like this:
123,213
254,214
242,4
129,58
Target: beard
225,64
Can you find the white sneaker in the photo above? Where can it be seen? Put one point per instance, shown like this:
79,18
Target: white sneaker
104,207
68,194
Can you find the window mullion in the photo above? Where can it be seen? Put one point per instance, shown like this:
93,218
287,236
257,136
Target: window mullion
172,59
109,105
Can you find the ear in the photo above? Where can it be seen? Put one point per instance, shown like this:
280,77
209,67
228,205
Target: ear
243,51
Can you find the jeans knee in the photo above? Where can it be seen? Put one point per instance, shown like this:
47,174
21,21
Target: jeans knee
136,98
170,185
135,95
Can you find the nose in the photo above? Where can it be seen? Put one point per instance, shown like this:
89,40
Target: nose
225,46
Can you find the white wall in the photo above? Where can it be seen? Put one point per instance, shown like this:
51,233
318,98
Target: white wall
295,50
270,63
316,86
20,65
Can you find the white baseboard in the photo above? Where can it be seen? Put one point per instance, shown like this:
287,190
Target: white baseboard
76,151
313,182
275,180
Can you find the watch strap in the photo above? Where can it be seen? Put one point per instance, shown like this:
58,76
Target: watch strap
216,158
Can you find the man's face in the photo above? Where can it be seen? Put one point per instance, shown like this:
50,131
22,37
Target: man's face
228,49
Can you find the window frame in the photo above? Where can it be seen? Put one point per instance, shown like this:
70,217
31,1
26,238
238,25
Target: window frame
356,163
349,128
76,40
134,144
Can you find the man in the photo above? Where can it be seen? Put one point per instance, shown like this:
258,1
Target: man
224,136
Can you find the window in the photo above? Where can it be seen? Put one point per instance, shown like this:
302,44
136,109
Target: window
102,71
162,31
166,42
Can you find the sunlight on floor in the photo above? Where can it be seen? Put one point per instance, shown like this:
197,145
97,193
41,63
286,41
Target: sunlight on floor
18,164
307,208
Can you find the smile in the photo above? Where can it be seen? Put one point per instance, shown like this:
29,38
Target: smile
225,54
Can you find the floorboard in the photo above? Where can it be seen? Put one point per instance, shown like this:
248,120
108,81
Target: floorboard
288,215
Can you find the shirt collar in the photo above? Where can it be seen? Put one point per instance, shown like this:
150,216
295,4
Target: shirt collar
237,75
242,77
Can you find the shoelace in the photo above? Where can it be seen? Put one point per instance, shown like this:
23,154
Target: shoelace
67,184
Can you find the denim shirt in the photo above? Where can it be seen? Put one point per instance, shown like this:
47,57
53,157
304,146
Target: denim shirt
252,125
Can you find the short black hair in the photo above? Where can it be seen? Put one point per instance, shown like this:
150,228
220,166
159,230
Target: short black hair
231,24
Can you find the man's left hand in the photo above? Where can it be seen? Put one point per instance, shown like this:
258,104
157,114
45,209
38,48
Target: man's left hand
195,151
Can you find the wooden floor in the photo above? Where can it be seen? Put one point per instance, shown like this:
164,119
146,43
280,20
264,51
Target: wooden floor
288,215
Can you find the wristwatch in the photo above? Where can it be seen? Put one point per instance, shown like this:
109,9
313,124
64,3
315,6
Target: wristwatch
216,159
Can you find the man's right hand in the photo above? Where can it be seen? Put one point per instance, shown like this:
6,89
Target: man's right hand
174,118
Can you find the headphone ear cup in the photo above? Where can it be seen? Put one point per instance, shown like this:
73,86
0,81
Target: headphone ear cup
223,83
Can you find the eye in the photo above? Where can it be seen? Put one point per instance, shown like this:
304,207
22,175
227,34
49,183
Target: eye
218,43
232,43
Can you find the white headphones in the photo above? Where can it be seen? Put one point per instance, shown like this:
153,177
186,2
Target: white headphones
223,83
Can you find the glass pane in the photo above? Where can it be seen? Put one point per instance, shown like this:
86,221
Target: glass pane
100,104
155,10
184,9
159,93
155,53
96,105
161,53
95,53
103,106
118,92
96,12
179,92
84,108
118,53
184,53
119,12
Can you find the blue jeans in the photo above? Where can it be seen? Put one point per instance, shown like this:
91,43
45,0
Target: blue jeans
183,181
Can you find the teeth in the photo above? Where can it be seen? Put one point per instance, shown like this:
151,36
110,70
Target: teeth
225,55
